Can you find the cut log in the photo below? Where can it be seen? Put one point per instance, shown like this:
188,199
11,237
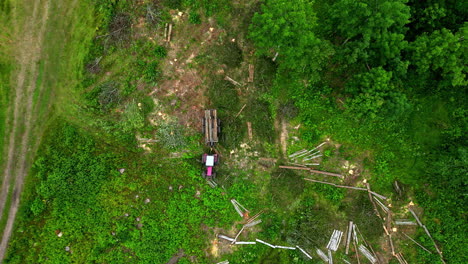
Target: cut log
283,247
245,243
251,73
169,33
227,78
265,243
322,255
428,234
367,254
348,238
226,238
414,241
304,252
240,111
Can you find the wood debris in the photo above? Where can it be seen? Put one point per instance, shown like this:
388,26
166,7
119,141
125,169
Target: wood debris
251,73
239,208
404,222
348,237
238,234
367,254
265,243
240,111
253,223
223,262
342,186
384,208
428,234
400,258
335,240
283,247
304,252
312,171
322,255
249,130
276,55
330,257
245,243
227,78
226,238
414,241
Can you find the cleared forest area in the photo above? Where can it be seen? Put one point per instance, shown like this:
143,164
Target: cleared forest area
342,132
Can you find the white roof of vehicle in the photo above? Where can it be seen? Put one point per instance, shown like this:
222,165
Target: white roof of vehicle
210,161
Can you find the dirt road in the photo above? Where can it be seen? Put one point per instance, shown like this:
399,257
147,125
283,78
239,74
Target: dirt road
29,35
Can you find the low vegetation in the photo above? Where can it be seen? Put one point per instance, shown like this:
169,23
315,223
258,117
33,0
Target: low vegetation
117,177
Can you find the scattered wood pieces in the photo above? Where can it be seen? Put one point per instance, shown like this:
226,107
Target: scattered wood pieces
240,111
297,153
265,243
367,254
227,78
253,223
239,208
251,73
313,171
385,208
330,257
276,55
372,201
168,32
400,258
226,238
322,255
283,247
404,222
238,234
335,240
348,237
249,130
245,243
304,252
223,262
414,241
341,186
428,234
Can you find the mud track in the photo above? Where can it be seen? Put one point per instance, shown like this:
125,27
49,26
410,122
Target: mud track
29,36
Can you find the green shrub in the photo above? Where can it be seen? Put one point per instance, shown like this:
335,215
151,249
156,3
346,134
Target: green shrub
194,18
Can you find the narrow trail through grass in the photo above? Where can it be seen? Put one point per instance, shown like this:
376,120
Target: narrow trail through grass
29,53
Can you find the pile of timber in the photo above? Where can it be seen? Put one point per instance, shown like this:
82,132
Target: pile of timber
306,157
335,240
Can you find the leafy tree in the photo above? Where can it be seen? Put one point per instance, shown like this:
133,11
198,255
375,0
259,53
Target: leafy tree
441,55
289,30
430,15
368,31
375,95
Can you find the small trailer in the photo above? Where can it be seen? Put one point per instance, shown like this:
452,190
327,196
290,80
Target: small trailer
211,127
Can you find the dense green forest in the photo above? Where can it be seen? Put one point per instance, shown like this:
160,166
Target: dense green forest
384,82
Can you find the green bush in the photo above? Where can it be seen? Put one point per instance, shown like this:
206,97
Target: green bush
194,18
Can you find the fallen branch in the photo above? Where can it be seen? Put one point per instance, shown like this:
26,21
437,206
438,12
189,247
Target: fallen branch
305,253
265,243
428,234
341,186
313,171
227,78
348,238
240,111
414,241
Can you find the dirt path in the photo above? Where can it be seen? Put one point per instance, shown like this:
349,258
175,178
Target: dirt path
29,49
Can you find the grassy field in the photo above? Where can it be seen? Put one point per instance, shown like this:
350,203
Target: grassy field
113,94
